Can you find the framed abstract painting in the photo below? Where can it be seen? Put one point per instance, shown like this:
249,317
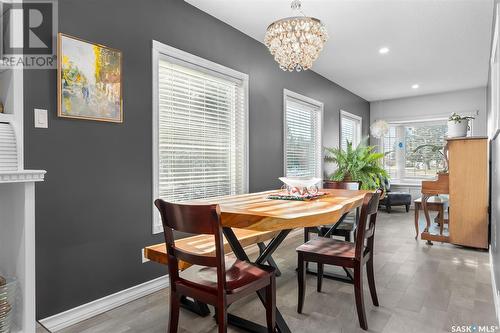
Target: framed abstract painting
89,80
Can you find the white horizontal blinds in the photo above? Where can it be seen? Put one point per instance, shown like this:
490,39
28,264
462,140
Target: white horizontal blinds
348,131
8,148
303,153
202,133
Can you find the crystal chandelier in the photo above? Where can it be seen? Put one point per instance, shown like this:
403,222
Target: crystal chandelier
295,42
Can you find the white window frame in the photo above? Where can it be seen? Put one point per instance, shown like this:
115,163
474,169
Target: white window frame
305,99
160,50
359,127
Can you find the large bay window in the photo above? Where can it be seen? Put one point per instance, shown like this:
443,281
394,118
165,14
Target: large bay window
406,163
199,128
303,149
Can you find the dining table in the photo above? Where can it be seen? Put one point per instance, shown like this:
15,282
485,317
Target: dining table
256,211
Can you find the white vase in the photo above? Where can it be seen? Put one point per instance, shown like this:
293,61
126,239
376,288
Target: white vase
457,129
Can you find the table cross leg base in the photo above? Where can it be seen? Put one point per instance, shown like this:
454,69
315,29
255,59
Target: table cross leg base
266,253
348,278
195,306
270,260
244,324
334,227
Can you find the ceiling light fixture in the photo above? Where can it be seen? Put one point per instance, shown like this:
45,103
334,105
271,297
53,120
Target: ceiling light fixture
296,42
384,50
415,86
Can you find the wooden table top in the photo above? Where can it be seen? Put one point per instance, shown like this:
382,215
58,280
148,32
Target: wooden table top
254,211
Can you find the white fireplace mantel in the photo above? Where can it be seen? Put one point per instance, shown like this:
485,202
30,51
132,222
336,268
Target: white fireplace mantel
17,239
17,200
22,176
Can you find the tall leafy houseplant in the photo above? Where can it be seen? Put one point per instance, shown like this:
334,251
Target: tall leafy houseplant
359,164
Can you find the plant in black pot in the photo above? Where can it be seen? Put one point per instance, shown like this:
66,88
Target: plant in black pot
360,163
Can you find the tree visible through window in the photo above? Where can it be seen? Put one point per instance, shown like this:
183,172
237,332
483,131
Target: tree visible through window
403,160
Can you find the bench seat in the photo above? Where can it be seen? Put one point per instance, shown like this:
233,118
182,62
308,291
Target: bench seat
204,245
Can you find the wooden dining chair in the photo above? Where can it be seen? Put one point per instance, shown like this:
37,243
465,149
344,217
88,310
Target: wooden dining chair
214,283
345,254
348,225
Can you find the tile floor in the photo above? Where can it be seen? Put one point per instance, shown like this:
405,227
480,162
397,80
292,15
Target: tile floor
421,288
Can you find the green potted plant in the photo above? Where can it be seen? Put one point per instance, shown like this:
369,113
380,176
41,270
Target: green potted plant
357,164
458,125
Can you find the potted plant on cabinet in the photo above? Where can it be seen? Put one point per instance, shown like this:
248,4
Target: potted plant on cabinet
458,125
359,163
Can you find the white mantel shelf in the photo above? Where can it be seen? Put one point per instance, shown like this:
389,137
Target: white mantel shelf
22,176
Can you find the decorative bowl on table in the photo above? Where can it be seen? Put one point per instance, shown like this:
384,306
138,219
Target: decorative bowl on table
300,185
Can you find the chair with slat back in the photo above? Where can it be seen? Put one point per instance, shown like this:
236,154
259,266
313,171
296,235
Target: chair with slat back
215,283
345,254
348,225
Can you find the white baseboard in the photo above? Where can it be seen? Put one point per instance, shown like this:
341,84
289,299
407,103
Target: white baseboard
496,296
73,316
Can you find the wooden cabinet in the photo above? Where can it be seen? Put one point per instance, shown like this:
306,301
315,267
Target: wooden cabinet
468,189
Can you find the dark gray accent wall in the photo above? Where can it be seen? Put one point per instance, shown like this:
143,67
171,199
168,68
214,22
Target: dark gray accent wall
94,211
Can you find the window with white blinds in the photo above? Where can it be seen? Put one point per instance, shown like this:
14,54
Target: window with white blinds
350,129
201,138
303,136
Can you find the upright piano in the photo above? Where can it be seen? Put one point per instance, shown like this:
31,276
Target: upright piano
467,185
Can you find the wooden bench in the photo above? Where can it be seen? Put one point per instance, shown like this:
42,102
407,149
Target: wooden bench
204,245
437,204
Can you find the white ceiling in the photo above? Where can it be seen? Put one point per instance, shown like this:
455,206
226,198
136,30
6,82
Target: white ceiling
442,45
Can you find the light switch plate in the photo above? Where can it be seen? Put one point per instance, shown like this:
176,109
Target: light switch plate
41,118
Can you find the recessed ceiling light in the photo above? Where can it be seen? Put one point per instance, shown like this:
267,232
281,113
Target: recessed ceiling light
415,86
383,50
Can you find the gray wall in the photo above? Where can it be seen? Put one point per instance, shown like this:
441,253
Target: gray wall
94,211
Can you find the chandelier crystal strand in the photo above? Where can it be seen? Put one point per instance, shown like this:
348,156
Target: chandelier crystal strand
296,42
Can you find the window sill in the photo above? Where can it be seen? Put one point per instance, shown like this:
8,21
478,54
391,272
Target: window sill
411,183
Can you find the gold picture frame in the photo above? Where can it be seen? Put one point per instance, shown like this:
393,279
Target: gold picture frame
89,80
